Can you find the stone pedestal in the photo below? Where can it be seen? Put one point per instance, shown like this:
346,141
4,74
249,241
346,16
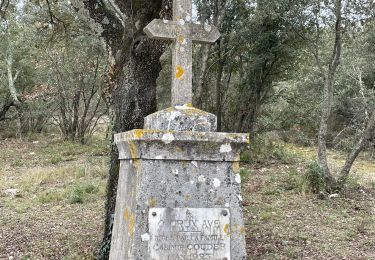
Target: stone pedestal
162,170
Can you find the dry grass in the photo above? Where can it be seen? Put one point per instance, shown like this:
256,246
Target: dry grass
59,211
286,222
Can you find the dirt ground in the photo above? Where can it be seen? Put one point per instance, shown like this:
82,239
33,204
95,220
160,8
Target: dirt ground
56,209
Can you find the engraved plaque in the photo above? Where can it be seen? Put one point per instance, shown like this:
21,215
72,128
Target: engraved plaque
189,233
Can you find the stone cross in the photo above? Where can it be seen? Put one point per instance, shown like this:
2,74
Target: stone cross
183,32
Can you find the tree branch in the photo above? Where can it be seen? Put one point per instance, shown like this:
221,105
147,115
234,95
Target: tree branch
362,142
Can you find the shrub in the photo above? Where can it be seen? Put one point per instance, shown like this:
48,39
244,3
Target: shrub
55,159
314,177
80,192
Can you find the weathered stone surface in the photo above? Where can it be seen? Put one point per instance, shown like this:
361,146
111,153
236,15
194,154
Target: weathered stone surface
182,118
183,32
179,172
173,145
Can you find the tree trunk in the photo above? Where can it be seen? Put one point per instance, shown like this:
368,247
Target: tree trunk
201,74
219,77
322,136
327,104
20,106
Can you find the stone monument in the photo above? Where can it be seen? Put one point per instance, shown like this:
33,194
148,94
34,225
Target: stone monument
179,191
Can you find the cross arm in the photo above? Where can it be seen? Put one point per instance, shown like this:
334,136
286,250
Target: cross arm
204,34
162,29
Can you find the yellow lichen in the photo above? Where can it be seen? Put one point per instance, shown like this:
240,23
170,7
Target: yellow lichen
179,72
152,202
131,225
227,229
137,164
133,150
187,197
126,214
248,139
242,230
181,39
236,167
138,133
194,111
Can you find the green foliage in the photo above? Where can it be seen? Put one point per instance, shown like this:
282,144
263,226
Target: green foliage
315,177
81,191
55,159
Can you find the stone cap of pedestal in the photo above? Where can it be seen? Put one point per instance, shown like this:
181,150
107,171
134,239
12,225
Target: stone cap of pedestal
180,145
182,118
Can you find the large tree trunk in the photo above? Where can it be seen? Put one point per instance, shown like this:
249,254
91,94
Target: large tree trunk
135,67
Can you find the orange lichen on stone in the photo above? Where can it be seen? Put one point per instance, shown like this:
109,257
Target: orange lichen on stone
126,214
179,72
130,219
